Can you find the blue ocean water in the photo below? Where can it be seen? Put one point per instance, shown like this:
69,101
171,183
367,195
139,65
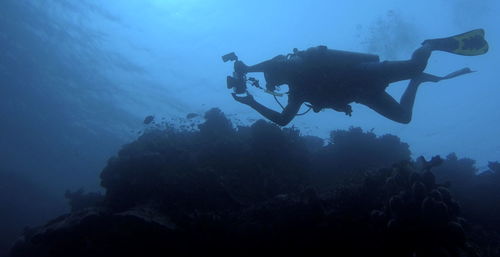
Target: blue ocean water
77,79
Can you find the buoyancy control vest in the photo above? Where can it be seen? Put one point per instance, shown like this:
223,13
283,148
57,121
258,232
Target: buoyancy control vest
326,76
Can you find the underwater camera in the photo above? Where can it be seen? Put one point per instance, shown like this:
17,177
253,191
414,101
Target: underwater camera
237,82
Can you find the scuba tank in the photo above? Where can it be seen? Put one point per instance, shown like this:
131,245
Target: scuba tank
334,60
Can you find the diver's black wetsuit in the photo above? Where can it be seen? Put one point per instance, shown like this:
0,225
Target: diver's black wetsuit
333,79
388,72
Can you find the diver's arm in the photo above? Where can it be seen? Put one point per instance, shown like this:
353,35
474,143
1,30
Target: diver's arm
282,118
241,67
260,67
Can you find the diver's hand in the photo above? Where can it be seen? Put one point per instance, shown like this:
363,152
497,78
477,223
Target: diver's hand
347,109
248,99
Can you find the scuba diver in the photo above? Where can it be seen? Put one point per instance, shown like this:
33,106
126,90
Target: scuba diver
324,78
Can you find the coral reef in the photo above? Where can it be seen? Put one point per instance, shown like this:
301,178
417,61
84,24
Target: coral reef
351,153
266,191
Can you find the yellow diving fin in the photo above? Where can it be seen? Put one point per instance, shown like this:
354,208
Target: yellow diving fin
469,43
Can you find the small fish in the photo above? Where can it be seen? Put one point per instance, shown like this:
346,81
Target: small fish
149,119
191,115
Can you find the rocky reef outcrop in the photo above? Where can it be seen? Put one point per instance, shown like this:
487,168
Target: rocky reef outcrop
265,191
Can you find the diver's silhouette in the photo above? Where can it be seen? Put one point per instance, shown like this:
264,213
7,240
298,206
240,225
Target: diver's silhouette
326,78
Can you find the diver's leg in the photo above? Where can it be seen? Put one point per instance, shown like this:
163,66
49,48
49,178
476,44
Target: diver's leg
392,71
402,112
470,43
387,106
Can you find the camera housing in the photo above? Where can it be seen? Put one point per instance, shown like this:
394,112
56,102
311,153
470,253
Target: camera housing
237,83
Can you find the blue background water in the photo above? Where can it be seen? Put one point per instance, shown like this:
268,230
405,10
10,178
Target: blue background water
77,79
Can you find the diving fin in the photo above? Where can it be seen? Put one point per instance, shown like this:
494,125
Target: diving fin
426,77
458,73
469,43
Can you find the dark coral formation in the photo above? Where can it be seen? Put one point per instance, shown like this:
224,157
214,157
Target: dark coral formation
479,194
264,191
351,152
421,217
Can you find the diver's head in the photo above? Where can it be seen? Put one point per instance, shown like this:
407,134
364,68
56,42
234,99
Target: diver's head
277,72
